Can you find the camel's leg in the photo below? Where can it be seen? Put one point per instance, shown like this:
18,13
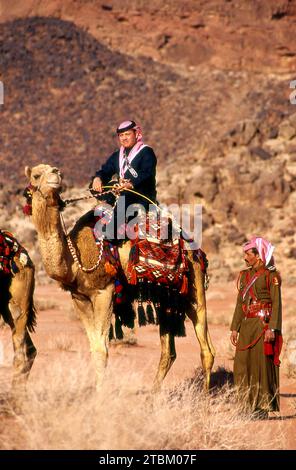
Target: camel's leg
103,310
96,315
24,349
198,315
20,308
168,356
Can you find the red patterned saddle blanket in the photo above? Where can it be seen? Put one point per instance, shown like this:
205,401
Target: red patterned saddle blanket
153,258
164,262
155,261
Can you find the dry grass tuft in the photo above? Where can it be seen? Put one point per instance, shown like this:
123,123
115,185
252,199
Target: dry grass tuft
129,338
288,356
62,410
46,304
61,342
219,318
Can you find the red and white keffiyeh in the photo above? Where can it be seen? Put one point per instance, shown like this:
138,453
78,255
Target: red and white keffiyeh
124,160
264,247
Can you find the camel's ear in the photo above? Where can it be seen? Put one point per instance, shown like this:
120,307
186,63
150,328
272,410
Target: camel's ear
28,172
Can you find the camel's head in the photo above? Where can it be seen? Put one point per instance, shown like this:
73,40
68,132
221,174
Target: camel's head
47,179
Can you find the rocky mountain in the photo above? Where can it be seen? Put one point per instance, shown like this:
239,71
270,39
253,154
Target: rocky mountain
255,35
208,81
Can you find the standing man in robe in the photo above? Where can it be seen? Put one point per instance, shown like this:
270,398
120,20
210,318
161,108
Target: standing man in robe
256,329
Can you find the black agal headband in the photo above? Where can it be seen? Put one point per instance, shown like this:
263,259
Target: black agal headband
125,126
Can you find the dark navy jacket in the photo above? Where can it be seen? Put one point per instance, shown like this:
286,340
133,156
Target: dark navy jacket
145,165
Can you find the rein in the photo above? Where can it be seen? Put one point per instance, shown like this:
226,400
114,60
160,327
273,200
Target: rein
69,201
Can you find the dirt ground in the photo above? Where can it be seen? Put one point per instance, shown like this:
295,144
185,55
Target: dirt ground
59,333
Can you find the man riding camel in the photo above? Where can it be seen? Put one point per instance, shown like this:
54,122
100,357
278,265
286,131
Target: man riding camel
135,165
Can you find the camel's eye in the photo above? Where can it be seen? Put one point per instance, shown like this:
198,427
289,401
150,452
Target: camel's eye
36,177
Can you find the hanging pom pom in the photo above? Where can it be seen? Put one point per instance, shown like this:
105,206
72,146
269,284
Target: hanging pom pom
110,269
27,209
119,294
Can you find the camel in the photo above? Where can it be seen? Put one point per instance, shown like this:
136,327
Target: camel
92,292
17,310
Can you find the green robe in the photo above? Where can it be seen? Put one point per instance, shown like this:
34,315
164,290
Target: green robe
253,370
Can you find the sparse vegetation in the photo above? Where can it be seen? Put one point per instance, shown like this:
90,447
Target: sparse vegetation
61,342
129,338
220,318
289,347
47,304
67,413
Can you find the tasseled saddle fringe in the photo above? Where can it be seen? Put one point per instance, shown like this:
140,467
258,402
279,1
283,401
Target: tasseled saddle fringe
141,315
124,316
125,313
157,305
118,333
169,307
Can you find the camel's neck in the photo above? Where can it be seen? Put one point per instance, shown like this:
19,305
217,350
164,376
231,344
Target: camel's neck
52,241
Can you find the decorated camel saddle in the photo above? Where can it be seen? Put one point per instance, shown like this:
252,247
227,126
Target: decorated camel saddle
9,248
157,273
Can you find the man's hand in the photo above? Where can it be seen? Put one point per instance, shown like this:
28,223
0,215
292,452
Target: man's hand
269,336
97,184
234,337
125,184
